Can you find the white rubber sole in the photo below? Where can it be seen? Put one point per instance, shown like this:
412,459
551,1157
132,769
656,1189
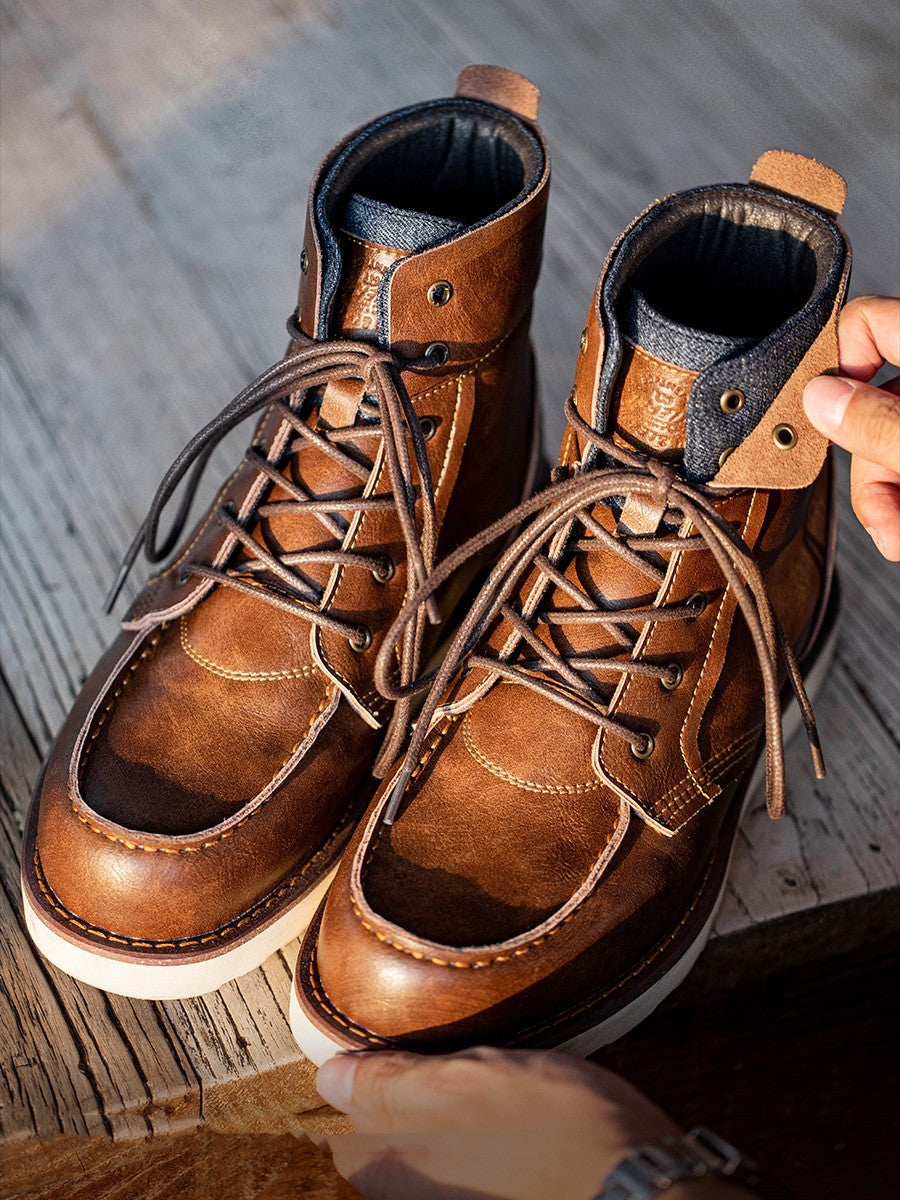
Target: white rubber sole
317,1046
172,981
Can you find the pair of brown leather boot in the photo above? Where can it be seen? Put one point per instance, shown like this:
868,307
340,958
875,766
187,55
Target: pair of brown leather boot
511,736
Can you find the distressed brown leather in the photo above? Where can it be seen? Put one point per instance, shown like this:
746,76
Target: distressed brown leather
538,876
216,759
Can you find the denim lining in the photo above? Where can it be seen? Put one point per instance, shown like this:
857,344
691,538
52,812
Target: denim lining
760,371
340,171
398,228
693,349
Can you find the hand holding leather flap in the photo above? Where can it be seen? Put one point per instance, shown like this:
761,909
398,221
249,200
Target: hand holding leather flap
784,450
801,177
498,85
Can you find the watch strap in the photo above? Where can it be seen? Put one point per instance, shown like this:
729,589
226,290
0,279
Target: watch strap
652,1168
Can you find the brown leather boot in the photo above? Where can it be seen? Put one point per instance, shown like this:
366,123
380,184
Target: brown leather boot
544,864
193,807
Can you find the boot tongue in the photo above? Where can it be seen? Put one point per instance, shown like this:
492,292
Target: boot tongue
661,360
373,236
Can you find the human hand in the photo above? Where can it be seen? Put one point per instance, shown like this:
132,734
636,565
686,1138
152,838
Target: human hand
866,420
489,1124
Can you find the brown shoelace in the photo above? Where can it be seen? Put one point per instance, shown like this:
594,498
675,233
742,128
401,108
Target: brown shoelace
559,509
388,415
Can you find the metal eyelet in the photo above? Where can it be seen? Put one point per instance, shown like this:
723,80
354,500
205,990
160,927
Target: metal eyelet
428,425
697,602
643,747
438,352
784,437
304,261
385,573
732,401
360,644
182,577
671,681
725,455
439,293
583,344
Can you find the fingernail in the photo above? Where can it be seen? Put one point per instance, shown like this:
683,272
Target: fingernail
876,538
334,1081
825,400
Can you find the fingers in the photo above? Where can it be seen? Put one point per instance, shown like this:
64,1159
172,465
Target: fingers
864,420
875,495
869,335
364,1082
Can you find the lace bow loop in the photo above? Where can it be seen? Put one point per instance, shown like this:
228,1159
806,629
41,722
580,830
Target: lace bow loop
560,507
313,365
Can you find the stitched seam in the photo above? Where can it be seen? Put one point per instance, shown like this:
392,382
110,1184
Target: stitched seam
712,642
469,370
654,954
677,788
716,768
177,943
323,649
333,1012
452,436
129,844
594,1000
491,959
420,766
154,579
691,774
100,720
227,673
527,785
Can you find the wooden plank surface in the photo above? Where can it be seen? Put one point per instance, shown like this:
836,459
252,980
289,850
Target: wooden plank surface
155,163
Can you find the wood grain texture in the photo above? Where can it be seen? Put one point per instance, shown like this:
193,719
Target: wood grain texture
155,164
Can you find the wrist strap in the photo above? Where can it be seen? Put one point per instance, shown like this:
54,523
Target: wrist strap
654,1167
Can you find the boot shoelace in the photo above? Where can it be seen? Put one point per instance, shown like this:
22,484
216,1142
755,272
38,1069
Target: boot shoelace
388,415
560,508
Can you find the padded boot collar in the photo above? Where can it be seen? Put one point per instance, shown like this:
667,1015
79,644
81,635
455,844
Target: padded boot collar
773,371
491,266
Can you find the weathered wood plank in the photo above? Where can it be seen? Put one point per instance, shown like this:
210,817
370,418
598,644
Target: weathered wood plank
156,158
76,1061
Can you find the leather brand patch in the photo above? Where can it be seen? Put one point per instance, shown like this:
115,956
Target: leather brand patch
365,267
650,410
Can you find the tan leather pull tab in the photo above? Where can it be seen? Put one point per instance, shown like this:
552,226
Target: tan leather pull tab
500,86
801,177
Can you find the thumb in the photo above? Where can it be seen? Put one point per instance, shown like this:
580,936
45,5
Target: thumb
362,1082
863,419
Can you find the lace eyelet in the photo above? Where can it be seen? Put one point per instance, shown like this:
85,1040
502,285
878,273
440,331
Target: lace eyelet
697,602
385,573
428,425
732,401
360,644
182,577
438,353
230,507
674,678
784,437
439,293
643,747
